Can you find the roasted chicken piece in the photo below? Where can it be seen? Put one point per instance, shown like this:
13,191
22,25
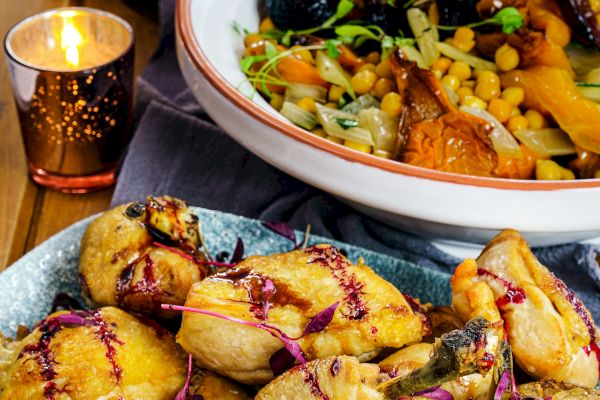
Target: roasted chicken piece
210,386
89,355
552,390
551,333
410,358
286,291
455,354
139,255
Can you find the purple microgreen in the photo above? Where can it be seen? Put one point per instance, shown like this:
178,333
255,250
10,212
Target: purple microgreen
73,319
503,385
435,393
282,229
281,361
268,290
183,393
238,252
277,333
321,320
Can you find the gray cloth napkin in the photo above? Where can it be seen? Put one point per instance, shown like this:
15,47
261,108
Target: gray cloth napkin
177,150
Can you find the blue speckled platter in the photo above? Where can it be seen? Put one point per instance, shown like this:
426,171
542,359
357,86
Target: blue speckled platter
28,287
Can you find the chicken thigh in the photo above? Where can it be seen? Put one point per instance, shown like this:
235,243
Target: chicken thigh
456,354
103,354
139,255
551,333
371,313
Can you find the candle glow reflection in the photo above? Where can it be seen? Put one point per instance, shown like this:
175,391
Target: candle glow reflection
70,41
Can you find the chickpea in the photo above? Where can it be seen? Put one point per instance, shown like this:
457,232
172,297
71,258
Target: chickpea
363,81
335,139
392,104
547,170
464,91
384,70
367,66
307,104
382,87
363,148
535,119
517,123
501,109
266,25
252,38
473,101
336,93
276,101
460,69
319,132
514,95
441,64
451,81
332,105
464,34
373,58
507,57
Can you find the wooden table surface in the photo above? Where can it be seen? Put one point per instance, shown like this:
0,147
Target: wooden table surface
30,214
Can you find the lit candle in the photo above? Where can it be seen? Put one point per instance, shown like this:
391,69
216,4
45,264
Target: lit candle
72,77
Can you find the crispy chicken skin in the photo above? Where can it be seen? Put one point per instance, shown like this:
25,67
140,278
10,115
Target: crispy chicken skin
114,356
372,314
552,390
139,255
408,359
551,333
215,387
456,354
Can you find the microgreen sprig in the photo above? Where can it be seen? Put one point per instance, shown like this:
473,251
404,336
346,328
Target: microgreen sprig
509,18
344,7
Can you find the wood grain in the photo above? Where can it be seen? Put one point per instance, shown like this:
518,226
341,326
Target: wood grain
31,214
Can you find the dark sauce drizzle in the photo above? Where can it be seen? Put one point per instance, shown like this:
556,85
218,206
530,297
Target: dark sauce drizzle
514,295
336,366
311,378
331,258
44,356
147,286
418,309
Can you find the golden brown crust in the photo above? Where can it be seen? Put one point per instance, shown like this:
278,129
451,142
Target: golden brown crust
372,313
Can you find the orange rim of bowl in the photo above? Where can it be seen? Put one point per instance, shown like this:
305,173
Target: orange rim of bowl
184,26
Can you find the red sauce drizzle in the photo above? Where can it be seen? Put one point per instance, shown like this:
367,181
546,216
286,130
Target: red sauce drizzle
310,377
147,286
44,356
514,295
107,337
418,309
331,258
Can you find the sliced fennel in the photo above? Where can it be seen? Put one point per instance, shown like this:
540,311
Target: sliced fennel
459,55
551,142
503,141
412,54
332,72
298,116
297,91
363,102
591,92
329,117
383,127
426,35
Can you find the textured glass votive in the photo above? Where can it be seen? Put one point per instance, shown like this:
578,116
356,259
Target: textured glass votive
72,76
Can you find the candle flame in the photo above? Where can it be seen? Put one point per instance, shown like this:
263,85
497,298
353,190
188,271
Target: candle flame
70,40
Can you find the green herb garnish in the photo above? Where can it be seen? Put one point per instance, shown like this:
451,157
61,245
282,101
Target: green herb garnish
344,7
509,18
331,46
587,84
346,123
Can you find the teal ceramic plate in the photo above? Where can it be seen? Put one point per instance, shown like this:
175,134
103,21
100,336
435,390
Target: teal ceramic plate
28,287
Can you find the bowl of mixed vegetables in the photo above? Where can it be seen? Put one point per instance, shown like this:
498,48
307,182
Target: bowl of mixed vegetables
423,113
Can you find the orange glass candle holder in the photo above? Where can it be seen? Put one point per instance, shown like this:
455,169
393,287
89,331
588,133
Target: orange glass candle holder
72,76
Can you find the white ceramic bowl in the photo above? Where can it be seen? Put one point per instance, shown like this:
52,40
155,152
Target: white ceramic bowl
431,203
